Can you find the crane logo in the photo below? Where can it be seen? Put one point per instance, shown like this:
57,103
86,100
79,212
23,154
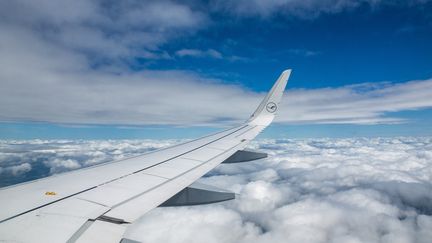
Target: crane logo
271,107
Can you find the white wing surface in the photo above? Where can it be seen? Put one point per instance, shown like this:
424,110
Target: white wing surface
97,203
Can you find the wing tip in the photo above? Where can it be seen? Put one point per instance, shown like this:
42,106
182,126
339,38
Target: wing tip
284,76
287,71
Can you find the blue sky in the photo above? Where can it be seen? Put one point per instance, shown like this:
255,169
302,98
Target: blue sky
354,46
162,69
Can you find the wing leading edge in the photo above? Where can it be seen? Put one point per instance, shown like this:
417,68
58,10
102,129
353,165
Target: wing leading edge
96,204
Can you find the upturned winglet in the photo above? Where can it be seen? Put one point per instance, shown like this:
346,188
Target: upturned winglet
267,109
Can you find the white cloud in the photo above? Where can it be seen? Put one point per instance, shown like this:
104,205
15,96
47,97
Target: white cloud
358,104
210,53
307,190
58,165
199,53
16,170
303,52
101,30
215,224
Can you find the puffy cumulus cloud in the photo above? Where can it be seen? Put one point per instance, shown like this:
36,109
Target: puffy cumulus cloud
259,196
215,224
311,190
307,9
307,190
16,169
58,165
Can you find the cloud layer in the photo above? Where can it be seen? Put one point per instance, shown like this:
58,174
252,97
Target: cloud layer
365,103
184,98
308,190
315,190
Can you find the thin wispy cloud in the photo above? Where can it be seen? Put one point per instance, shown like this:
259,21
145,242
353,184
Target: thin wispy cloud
199,53
303,52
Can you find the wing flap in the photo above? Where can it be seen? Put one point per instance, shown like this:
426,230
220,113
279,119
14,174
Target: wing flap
198,194
102,232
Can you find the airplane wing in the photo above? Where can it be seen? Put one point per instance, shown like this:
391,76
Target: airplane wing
97,203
